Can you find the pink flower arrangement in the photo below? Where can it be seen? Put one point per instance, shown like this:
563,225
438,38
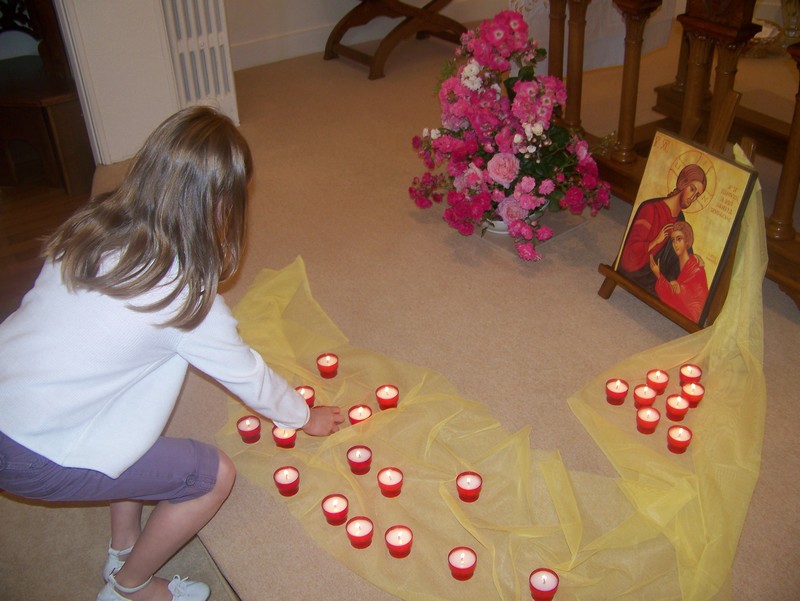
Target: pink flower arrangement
500,154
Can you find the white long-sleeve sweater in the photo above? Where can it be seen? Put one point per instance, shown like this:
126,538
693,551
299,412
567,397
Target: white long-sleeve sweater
88,382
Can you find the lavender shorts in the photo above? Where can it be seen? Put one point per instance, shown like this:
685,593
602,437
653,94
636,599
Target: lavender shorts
174,469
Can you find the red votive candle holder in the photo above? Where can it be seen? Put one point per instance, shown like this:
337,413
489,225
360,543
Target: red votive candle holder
360,459
359,531
657,379
328,365
358,413
643,395
387,396
693,392
390,481
690,373
469,486
284,437
616,391
308,393
678,439
677,406
287,480
249,428
398,541
462,561
647,419
335,509
543,583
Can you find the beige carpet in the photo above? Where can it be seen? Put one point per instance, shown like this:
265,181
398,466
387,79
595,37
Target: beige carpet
334,161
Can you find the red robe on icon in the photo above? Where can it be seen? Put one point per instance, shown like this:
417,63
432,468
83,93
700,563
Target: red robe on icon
694,290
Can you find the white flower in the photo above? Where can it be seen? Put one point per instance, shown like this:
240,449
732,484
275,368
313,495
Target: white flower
435,134
538,128
517,138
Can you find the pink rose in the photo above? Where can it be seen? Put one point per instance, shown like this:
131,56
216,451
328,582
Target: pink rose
503,168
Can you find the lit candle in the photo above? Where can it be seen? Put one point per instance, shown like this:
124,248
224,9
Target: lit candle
249,428
387,396
616,391
358,413
643,395
657,379
677,406
693,393
647,419
690,373
284,437
335,509
398,541
360,458
544,584
678,438
390,481
462,562
287,480
359,531
469,486
309,394
328,365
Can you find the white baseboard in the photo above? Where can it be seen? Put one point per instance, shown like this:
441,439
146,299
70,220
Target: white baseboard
302,42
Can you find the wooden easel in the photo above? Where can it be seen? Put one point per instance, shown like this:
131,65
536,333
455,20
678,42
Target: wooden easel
613,278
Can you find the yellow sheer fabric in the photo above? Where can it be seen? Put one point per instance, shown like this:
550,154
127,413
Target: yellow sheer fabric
667,528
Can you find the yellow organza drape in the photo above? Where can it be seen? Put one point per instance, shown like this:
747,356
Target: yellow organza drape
666,528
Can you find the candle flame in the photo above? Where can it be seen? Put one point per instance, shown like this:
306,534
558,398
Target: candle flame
286,475
616,386
358,454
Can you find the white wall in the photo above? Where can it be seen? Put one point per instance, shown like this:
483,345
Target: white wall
266,31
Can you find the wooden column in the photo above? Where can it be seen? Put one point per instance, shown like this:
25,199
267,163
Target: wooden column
555,53
575,44
780,223
728,26
636,14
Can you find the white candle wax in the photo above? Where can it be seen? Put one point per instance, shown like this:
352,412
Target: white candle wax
335,504
306,392
689,370
389,476
619,386
327,360
248,424
359,454
283,433
645,391
677,402
359,527
469,481
649,415
544,581
287,475
398,536
360,413
462,558
680,434
387,392
658,376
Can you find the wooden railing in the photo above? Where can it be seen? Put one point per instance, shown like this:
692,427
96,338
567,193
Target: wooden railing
706,34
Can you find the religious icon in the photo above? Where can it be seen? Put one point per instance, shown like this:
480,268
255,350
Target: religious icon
682,226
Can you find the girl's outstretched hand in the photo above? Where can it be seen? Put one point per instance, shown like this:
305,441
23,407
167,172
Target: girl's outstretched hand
323,421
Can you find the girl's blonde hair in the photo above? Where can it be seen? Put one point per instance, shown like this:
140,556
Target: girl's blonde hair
182,205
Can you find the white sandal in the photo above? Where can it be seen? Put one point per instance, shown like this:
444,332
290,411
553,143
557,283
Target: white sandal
182,589
113,562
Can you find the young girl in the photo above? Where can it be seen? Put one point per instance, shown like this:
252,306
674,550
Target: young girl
92,362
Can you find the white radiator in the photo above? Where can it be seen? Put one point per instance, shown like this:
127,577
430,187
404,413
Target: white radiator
198,38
